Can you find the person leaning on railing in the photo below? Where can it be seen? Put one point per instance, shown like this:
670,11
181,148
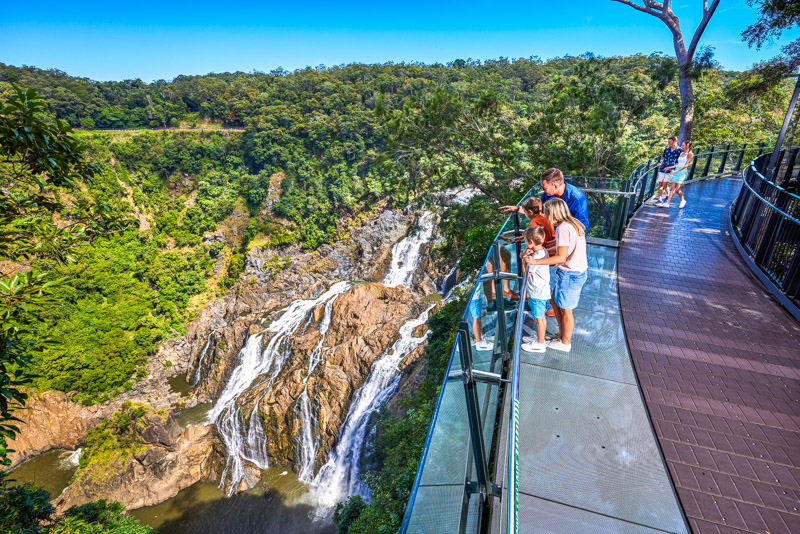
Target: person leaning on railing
554,186
571,273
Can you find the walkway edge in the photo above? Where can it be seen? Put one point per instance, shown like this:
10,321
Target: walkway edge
763,278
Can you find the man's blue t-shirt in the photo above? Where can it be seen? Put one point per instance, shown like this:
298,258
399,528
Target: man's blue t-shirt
576,201
670,157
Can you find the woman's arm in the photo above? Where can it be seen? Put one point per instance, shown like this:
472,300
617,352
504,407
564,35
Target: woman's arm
559,257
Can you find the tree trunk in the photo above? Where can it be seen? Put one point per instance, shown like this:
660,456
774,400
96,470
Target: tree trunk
687,102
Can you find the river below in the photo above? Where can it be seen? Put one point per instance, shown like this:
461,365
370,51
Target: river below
204,509
51,470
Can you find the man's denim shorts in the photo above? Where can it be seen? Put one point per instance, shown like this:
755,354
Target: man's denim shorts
568,288
538,307
477,307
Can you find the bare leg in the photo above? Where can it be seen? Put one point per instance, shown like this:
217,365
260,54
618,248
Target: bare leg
559,316
477,329
541,327
568,321
676,188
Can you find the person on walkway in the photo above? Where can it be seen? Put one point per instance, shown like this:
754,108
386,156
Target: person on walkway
554,186
679,175
538,287
667,165
571,272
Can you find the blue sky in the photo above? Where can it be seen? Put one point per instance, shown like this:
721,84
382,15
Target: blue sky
155,40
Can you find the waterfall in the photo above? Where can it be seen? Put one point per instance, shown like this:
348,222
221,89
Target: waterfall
406,253
339,477
243,434
308,442
200,360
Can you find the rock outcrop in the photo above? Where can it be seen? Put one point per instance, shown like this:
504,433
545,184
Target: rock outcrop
364,324
163,461
50,420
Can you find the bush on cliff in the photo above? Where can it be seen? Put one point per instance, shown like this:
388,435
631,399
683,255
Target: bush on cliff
26,509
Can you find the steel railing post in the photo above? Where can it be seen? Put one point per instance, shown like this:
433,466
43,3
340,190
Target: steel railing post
708,163
501,307
724,160
740,159
484,487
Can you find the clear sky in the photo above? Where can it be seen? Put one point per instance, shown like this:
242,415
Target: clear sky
160,40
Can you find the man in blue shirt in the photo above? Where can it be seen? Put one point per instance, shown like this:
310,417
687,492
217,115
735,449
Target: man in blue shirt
667,165
554,186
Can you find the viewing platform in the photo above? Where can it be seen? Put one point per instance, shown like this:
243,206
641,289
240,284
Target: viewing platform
678,408
718,360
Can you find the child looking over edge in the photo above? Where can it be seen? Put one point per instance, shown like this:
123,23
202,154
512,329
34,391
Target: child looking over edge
532,209
538,287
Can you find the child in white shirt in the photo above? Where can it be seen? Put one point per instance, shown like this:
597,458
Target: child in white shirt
538,288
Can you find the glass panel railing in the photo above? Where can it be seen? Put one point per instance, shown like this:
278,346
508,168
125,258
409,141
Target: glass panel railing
453,485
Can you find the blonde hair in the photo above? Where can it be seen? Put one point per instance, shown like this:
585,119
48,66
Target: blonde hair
535,235
558,212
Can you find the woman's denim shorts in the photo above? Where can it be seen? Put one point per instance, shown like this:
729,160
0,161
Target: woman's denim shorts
568,288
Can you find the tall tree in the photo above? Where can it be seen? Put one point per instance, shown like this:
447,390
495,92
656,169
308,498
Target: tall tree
663,11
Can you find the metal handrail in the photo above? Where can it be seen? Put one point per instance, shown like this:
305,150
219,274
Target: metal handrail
512,491
767,237
766,201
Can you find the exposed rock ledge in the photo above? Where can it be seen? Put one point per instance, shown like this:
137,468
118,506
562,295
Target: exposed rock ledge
166,461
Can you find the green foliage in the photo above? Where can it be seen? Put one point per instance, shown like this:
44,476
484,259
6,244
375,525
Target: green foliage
116,437
26,509
36,157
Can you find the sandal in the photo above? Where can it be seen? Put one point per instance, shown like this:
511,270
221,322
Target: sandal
510,295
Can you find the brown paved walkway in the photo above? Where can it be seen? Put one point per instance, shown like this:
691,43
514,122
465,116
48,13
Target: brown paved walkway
719,362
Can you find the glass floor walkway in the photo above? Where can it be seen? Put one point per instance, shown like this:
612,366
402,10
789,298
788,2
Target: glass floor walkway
588,457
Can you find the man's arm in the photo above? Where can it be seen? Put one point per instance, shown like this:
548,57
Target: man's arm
582,211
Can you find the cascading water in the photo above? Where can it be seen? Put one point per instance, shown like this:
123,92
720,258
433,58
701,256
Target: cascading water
243,434
339,477
406,253
201,359
308,442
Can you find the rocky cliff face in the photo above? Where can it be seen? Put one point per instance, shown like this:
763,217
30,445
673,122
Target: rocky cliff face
51,420
364,323
164,460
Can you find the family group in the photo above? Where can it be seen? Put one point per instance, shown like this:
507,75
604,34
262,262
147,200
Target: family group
555,237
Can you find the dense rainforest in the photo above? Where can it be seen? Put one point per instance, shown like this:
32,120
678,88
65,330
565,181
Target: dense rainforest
202,168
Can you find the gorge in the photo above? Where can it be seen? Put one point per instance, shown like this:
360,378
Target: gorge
300,391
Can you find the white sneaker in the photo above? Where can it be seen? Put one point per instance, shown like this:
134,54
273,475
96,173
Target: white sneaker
533,347
663,205
483,344
682,204
556,344
551,337
529,339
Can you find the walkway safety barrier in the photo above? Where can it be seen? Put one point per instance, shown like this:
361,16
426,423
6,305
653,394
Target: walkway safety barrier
470,458
765,221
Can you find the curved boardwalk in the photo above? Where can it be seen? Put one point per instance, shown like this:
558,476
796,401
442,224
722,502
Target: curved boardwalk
719,362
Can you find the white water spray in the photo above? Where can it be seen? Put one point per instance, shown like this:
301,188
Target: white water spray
308,443
201,359
406,253
339,477
243,434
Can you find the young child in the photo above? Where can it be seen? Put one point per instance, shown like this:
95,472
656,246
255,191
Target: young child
532,208
538,287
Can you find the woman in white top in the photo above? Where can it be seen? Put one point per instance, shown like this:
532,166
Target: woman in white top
679,175
570,258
